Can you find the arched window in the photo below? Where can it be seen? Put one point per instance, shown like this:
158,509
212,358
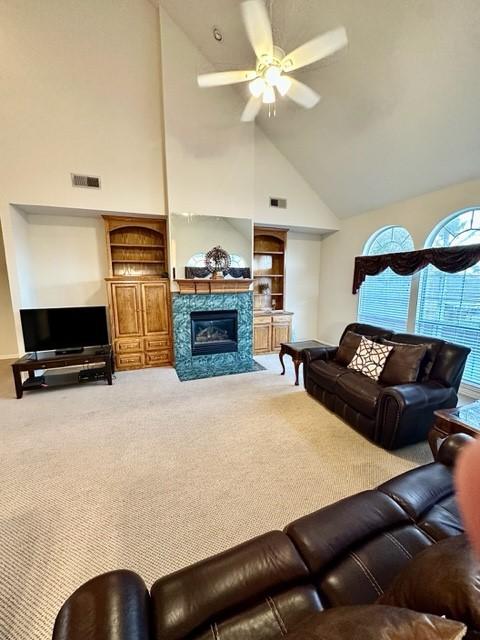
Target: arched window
449,303
384,298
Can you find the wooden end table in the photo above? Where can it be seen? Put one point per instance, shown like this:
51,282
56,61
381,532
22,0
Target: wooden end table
295,350
464,419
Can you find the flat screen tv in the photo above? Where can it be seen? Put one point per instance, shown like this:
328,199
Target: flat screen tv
64,328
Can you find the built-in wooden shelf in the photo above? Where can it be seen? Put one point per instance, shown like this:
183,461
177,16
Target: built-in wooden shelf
270,294
133,260
268,253
209,285
268,275
124,245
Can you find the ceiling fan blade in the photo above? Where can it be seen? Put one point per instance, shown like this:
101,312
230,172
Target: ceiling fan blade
258,27
316,49
224,77
302,95
252,109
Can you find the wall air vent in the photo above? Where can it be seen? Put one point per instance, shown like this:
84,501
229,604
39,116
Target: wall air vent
90,182
280,203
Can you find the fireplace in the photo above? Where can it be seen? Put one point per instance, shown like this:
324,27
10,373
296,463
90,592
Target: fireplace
214,332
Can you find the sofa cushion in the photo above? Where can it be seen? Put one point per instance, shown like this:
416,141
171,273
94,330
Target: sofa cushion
370,358
347,347
433,346
246,576
326,374
403,363
443,579
360,392
374,622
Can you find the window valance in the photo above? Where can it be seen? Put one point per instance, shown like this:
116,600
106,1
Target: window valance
449,259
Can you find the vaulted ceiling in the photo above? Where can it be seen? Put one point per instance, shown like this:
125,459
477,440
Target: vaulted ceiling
399,110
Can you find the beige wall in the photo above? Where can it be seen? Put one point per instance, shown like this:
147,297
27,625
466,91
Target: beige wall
420,215
302,283
275,177
209,152
68,261
8,342
80,92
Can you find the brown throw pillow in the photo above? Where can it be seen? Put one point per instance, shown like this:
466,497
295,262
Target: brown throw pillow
371,622
347,347
444,580
403,364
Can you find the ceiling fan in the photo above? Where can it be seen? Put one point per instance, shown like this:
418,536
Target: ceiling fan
273,66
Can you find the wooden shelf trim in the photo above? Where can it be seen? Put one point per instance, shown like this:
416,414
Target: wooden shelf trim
207,285
124,245
268,253
140,261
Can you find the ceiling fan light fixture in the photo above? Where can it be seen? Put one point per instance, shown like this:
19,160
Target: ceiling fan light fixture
257,87
272,75
283,85
268,95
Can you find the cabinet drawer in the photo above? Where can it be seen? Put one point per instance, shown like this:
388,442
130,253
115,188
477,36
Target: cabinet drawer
132,360
158,357
262,319
128,345
281,319
156,344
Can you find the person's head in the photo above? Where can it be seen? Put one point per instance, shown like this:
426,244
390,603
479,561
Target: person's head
467,480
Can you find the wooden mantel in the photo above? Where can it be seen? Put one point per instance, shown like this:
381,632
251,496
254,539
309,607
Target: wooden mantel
207,285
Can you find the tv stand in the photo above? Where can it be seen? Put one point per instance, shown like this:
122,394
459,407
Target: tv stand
67,352
44,361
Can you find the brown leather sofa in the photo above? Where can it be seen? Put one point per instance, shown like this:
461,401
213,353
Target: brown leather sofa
346,553
391,416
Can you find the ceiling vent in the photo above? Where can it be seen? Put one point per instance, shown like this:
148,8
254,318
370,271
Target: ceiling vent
90,182
280,203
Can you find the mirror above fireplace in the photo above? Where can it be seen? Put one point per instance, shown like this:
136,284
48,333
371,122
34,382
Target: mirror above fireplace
193,235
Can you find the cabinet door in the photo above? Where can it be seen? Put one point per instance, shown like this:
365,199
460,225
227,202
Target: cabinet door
126,304
280,333
262,334
156,308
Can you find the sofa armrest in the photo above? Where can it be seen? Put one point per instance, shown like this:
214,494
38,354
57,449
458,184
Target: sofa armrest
113,606
451,447
405,412
318,353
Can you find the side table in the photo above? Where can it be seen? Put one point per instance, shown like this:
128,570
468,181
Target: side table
295,350
464,419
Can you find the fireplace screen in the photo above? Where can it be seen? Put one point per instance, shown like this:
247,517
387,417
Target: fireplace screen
213,332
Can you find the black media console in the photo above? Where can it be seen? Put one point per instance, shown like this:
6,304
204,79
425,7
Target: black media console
33,363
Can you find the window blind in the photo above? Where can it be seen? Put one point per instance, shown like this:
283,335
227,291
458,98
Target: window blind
384,299
449,303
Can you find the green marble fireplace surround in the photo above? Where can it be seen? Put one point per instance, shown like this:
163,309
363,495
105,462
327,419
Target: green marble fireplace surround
190,367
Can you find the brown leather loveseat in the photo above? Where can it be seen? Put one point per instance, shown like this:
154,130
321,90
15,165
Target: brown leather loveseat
346,553
392,416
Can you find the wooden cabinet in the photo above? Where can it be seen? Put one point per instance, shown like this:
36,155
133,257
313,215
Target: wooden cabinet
269,330
139,291
126,319
140,309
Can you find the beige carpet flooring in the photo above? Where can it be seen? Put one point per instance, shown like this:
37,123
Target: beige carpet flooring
153,474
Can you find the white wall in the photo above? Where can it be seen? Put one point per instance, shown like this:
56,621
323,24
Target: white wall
80,91
68,261
275,177
302,283
338,306
209,151
194,234
8,340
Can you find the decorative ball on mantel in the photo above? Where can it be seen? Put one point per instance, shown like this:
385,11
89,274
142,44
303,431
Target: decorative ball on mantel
218,262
